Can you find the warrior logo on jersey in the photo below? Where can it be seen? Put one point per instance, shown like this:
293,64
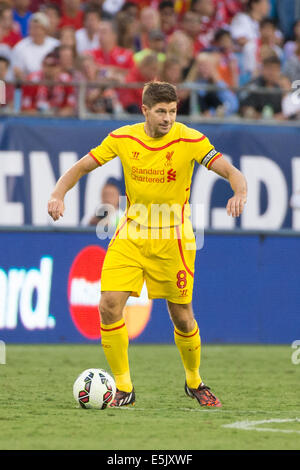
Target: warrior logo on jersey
135,155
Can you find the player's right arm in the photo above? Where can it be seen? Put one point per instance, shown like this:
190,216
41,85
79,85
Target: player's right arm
56,202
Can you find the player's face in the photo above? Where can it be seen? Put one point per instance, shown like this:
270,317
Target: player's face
160,118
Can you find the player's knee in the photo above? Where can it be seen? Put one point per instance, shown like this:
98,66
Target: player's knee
109,308
182,316
185,324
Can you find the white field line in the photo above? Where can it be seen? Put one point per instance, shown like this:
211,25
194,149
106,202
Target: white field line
212,410
255,425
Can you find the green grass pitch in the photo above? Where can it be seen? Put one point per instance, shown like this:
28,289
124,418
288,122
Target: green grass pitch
255,383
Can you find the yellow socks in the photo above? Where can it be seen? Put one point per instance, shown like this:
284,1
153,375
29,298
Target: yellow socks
115,346
189,345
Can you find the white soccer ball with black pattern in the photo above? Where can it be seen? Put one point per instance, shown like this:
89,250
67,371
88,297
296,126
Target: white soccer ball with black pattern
94,388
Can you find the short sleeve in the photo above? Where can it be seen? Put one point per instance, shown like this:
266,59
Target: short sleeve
106,151
205,153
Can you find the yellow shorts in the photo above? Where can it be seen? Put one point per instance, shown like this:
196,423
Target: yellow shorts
163,257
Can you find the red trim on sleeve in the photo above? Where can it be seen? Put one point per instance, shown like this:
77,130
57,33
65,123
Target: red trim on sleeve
214,159
93,156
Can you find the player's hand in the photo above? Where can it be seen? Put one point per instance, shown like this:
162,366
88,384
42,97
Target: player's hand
236,205
56,208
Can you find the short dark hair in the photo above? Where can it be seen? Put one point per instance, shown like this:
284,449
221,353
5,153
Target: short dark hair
250,4
111,181
4,7
128,5
158,92
220,33
4,59
92,9
268,21
165,4
52,6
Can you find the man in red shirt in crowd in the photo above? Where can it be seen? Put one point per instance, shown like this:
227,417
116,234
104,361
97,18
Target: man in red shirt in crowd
10,32
210,19
49,99
72,15
115,61
168,17
227,9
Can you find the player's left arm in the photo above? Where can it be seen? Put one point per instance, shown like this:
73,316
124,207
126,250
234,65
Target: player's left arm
237,182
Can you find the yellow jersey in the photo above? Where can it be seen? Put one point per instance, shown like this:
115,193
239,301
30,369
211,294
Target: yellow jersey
157,171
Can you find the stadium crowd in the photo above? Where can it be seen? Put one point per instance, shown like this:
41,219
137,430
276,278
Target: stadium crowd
243,55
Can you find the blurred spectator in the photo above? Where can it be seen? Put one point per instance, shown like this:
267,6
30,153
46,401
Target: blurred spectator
146,70
4,66
9,88
130,9
67,59
58,100
292,66
149,21
98,99
191,26
108,212
157,45
180,45
210,21
257,104
291,46
245,26
227,9
87,38
228,64
259,49
172,72
53,12
181,7
72,15
97,4
168,17
217,102
9,29
29,53
67,37
291,99
21,15
271,36
128,29
117,61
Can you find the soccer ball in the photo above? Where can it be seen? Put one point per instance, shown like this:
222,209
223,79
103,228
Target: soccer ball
94,388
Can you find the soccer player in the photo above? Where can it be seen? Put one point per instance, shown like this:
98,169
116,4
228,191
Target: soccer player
154,241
